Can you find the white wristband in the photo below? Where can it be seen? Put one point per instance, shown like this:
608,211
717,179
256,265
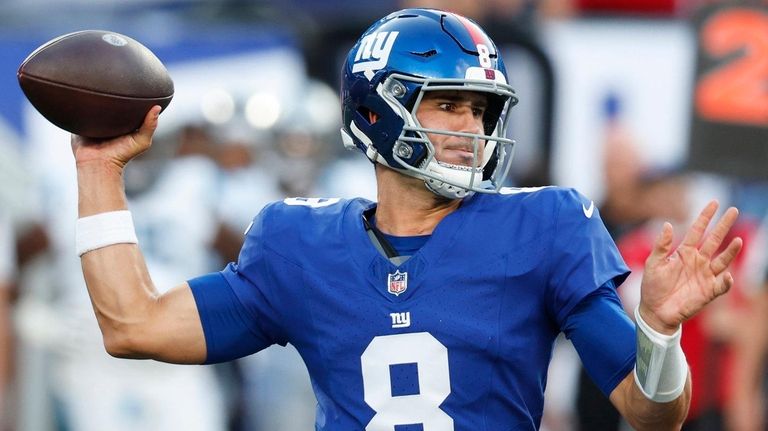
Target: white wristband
104,229
660,368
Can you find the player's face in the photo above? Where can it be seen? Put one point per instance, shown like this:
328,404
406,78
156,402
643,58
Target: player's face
455,111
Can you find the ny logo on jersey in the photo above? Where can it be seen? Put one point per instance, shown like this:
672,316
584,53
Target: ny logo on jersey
373,52
401,320
397,283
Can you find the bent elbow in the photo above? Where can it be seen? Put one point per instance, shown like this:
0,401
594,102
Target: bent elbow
120,344
115,346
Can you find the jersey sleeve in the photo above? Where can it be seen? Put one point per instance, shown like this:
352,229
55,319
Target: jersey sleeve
234,305
583,255
604,337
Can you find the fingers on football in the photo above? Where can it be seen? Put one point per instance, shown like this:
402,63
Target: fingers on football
150,123
724,259
150,120
716,237
696,231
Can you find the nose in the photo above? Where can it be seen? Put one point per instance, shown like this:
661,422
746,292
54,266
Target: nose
469,123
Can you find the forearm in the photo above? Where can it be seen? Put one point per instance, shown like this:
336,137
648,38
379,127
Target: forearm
118,282
656,394
643,414
135,320
100,188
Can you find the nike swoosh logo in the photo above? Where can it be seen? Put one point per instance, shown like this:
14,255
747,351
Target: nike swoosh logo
588,211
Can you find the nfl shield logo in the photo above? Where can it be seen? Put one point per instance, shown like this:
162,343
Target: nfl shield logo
398,282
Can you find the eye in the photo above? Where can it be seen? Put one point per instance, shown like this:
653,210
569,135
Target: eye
478,111
447,106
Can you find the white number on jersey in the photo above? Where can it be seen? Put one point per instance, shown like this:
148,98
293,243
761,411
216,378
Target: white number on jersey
431,359
311,202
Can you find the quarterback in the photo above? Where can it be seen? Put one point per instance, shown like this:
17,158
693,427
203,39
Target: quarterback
436,307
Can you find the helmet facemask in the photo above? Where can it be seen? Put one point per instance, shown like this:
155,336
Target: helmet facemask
415,153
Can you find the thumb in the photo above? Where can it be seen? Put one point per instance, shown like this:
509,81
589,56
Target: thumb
149,125
663,244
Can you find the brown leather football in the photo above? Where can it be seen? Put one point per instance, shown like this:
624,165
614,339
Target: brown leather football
94,83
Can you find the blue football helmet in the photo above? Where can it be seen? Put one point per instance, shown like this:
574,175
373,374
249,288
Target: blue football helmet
388,71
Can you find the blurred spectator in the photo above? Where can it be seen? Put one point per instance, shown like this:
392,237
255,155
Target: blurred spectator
7,270
637,8
345,175
485,11
245,183
748,404
90,389
746,410
638,198
467,8
306,138
300,156
348,177
634,191
708,338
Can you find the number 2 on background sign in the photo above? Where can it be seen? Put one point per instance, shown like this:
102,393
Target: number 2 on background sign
431,359
736,92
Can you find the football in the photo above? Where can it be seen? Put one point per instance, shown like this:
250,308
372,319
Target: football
93,83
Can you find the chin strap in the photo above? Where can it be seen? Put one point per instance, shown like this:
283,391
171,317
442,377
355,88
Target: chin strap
446,190
457,175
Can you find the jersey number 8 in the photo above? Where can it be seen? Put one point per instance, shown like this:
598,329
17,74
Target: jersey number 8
431,359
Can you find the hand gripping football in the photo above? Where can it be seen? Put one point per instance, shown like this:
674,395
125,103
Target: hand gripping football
93,83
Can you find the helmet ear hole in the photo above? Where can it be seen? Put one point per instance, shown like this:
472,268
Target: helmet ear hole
492,113
368,115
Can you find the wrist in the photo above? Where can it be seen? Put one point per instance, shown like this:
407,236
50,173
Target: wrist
100,187
104,229
99,167
661,370
654,322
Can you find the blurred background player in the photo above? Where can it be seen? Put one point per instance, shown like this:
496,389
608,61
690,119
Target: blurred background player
89,389
638,199
7,351
747,405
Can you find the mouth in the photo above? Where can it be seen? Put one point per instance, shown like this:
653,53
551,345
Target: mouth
459,155
460,167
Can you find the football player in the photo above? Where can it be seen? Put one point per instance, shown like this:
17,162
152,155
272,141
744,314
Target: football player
435,307
7,269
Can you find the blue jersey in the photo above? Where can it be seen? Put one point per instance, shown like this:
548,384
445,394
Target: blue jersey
459,337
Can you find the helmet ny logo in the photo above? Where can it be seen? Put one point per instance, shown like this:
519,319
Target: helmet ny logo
373,53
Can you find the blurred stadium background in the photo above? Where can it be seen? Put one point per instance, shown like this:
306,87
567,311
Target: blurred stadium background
619,98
